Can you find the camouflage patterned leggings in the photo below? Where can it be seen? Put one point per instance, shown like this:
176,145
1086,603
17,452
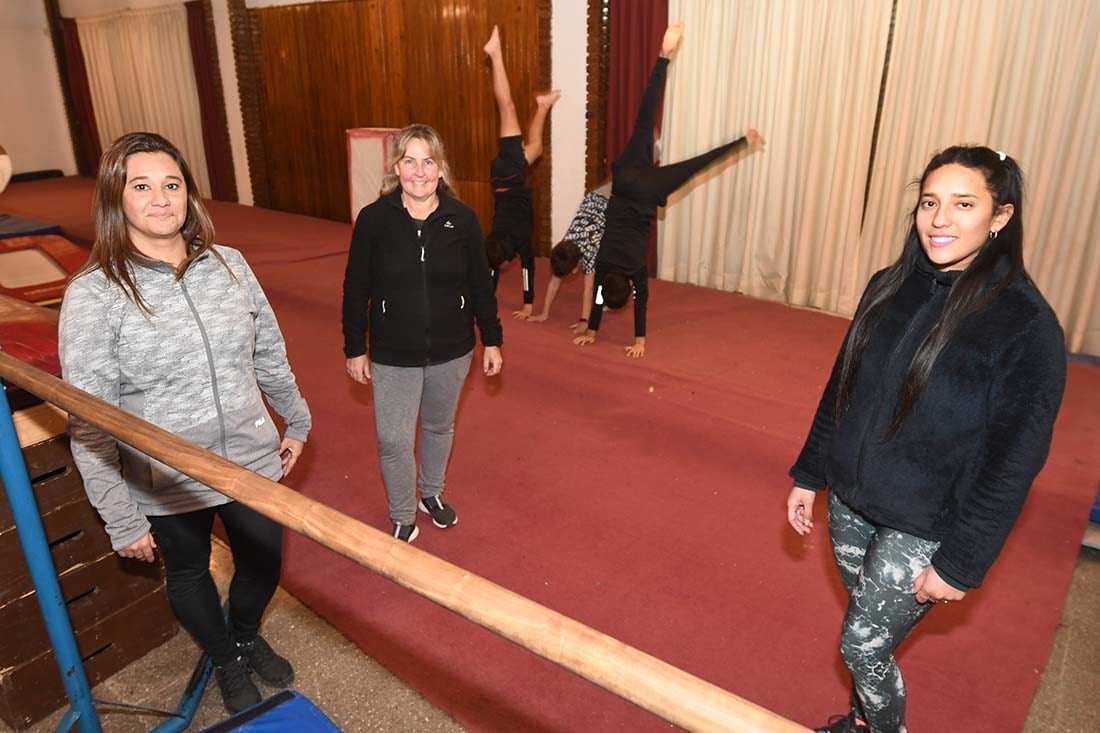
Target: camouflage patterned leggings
878,567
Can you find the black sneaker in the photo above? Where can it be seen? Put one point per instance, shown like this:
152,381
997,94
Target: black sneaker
272,669
443,515
405,532
843,724
238,691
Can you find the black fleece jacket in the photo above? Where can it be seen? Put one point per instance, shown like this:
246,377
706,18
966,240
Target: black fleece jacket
961,465
417,293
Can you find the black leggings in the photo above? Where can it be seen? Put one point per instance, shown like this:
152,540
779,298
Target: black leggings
878,566
256,543
633,173
637,189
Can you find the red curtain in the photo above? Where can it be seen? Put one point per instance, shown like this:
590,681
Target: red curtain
215,130
83,114
637,27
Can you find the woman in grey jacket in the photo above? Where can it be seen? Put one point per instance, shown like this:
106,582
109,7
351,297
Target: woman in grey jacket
177,331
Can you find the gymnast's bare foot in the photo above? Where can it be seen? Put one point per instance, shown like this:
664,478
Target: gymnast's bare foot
671,41
492,48
756,140
547,99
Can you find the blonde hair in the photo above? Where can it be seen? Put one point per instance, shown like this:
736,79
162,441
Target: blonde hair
427,135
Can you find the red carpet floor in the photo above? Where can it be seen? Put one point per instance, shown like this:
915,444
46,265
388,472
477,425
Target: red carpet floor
643,498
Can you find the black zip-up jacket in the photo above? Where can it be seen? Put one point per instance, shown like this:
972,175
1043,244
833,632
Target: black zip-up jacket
962,463
417,294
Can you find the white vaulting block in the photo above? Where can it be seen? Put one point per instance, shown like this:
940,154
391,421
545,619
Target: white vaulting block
368,150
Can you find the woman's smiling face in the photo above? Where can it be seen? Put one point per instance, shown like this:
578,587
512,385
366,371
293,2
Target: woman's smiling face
955,216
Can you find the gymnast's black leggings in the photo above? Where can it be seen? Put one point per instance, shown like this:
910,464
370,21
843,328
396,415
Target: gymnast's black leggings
633,173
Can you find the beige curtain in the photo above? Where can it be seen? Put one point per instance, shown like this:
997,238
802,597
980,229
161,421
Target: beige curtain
1019,76
141,78
780,224
1016,75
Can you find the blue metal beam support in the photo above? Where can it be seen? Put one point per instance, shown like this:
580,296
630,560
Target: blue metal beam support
28,524
189,701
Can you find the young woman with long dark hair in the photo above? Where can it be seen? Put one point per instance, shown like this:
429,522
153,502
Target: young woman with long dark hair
935,421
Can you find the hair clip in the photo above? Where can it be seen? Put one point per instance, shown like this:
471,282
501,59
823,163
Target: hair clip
1001,155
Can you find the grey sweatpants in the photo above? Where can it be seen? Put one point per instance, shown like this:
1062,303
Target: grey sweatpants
400,393
878,567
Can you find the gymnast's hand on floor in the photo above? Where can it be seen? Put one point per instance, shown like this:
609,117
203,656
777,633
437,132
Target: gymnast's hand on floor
579,326
637,350
588,337
524,314
539,318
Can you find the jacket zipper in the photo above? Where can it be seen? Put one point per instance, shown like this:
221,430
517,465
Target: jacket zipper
424,282
210,363
886,370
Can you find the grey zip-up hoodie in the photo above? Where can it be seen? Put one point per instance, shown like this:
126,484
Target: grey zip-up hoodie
195,366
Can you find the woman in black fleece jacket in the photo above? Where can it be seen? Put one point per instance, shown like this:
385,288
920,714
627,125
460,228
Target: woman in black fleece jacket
935,421
415,283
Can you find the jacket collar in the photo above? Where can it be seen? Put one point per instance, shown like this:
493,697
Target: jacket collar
948,277
140,260
940,277
447,204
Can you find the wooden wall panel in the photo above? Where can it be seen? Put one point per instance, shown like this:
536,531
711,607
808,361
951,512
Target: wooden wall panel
326,67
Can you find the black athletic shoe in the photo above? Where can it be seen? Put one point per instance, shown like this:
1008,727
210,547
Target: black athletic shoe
443,515
238,691
271,668
405,532
843,724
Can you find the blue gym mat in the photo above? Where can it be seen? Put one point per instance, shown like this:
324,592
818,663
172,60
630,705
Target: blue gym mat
286,711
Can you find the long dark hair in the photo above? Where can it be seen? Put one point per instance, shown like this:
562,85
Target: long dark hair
975,288
113,251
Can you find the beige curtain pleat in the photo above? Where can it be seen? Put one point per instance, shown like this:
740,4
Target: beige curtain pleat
785,224
1019,76
781,224
142,79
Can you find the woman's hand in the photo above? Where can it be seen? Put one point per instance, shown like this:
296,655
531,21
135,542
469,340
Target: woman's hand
290,450
493,361
588,337
359,368
141,550
638,349
800,510
929,587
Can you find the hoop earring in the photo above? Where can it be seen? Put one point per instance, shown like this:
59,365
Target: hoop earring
994,233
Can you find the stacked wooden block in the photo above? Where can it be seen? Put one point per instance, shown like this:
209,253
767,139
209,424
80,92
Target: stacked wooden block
118,608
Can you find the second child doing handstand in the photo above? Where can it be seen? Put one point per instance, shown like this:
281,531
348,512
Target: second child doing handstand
513,216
